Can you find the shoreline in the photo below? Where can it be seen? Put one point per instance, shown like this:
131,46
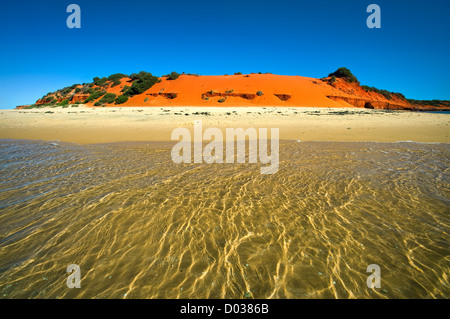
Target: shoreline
87,125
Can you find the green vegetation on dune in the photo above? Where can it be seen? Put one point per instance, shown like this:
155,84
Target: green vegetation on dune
121,99
345,74
173,76
95,95
49,99
108,98
436,103
142,81
87,90
332,80
115,78
100,81
387,94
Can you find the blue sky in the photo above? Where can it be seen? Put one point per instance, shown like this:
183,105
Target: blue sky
39,54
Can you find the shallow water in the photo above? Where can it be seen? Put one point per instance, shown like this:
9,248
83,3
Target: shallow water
140,226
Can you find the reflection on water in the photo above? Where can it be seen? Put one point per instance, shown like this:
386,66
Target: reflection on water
140,226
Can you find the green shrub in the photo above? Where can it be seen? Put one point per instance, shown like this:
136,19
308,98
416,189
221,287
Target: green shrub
173,76
121,99
367,88
95,95
125,88
87,90
100,81
97,104
221,100
385,93
63,103
115,78
77,90
141,83
172,96
345,74
108,98
238,73
260,93
399,95
65,90
332,80
146,99
48,99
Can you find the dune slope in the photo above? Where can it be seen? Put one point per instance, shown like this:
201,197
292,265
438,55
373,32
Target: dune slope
238,90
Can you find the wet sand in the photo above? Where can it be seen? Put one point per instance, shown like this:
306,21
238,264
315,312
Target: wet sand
87,125
141,226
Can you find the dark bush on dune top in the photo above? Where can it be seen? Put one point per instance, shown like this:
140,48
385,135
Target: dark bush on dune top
142,81
385,93
115,78
173,76
100,81
345,74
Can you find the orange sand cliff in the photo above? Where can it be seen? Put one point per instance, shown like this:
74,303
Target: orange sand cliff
242,90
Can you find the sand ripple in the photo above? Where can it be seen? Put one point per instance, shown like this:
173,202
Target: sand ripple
140,226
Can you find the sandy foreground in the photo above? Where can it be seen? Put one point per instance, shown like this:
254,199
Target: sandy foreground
86,125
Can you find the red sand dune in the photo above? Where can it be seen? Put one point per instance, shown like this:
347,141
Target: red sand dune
242,90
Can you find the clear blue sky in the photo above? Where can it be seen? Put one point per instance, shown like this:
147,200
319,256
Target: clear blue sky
39,54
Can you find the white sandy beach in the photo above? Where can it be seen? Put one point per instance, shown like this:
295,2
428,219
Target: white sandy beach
114,124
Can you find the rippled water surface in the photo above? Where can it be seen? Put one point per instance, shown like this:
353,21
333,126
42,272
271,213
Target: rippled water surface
140,226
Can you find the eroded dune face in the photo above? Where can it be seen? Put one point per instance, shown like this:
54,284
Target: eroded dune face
239,90
252,89
244,90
